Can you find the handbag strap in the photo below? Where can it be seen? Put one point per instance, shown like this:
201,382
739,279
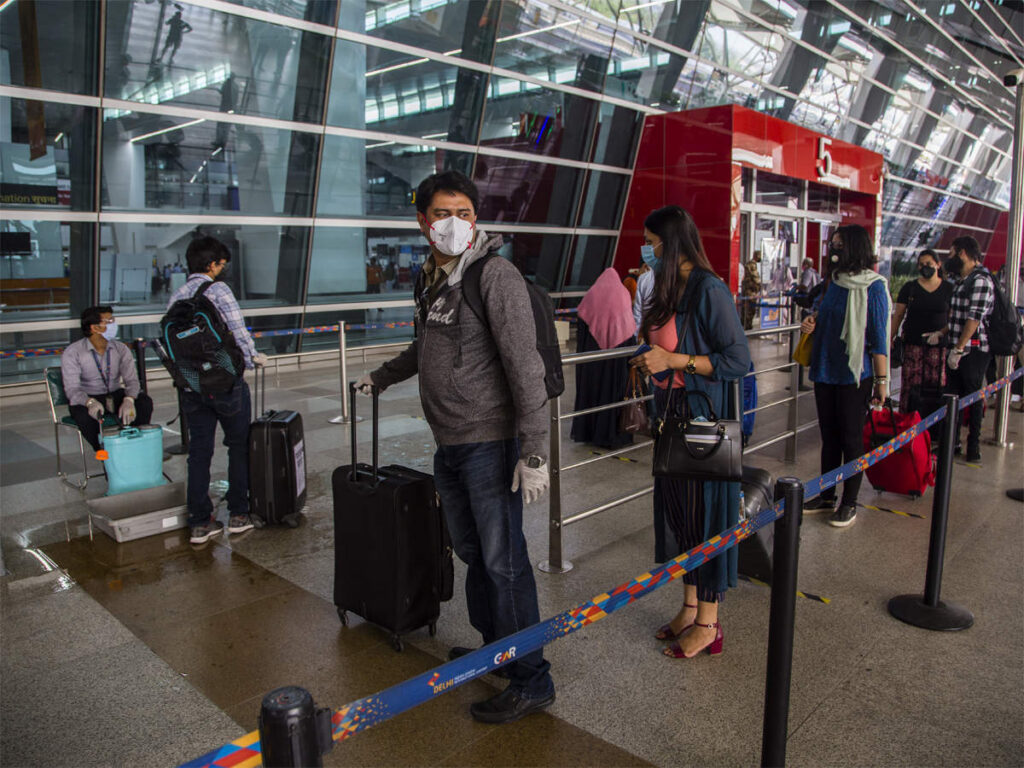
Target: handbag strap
687,322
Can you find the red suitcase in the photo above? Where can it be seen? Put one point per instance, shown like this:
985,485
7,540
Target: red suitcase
909,470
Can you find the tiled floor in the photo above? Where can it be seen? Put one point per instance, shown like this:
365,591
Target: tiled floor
154,652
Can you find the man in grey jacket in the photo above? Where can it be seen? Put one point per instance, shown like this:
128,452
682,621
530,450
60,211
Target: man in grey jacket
482,388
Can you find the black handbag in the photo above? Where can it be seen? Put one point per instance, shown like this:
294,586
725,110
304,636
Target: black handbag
896,353
693,448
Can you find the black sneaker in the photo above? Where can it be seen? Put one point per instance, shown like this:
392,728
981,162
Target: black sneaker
458,651
843,516
508,706
973,456
200,534
819,504
240,524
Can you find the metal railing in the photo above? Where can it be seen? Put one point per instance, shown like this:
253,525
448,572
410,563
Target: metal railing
555,563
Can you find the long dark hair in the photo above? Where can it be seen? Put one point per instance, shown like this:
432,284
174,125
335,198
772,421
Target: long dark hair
857,254
680,240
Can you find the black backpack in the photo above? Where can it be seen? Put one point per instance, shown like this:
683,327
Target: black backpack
543,319
202,353
1005,334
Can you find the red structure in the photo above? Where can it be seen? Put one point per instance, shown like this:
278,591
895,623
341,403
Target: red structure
696,158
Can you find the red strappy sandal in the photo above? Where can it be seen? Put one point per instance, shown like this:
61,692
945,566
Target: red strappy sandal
665,630
713,648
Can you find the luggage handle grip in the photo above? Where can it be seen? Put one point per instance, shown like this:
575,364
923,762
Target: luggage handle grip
375,394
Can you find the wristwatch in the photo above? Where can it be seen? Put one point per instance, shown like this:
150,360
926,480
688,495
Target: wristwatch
691,365
534,462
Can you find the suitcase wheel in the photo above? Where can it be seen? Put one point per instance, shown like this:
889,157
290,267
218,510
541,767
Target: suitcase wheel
292,521
915,494
396,643
343,616
258,521
432,628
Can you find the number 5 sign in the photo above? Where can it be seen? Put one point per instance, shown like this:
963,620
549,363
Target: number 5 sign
824,164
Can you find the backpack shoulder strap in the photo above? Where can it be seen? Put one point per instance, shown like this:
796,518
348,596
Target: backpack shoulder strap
471,288
202,289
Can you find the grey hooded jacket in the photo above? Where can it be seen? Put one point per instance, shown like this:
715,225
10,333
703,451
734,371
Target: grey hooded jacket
477,384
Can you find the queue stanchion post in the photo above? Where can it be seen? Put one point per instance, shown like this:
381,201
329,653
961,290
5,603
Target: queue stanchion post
928,611
346,416
786,554
139,347
555,563
294,732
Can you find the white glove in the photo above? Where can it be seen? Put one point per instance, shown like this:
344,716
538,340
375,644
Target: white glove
953,359
127,411
259,359
95,408
533,481
365,384
933,338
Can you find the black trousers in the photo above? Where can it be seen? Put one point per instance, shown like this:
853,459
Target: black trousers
841,412
967,378
91,428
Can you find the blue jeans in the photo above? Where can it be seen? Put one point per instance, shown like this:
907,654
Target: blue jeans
204,412
485,520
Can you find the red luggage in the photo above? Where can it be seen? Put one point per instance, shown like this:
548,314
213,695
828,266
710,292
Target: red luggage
909,470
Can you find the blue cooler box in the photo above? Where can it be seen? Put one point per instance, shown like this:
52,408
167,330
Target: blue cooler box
135,459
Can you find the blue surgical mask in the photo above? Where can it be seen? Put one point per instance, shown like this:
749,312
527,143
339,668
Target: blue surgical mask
647,254
110,332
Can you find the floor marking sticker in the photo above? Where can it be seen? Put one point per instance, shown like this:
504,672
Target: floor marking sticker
805,595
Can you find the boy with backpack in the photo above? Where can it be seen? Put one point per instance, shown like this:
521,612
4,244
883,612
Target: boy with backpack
980,325
480,353
210,348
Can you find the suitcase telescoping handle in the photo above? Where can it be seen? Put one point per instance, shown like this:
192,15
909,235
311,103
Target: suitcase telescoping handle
375,395
259,393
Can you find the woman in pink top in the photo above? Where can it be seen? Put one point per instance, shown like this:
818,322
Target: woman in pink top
704,356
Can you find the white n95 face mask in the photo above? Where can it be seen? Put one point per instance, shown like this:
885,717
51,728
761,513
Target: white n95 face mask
110,332
451,235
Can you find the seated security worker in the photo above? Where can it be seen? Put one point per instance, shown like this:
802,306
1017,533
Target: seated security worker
99,377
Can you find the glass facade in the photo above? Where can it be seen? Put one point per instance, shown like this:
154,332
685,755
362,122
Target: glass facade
297,131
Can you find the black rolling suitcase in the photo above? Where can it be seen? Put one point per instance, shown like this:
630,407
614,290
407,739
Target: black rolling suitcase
754,554
392,554
277,463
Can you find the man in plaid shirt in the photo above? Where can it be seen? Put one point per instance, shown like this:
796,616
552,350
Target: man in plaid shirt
207,259
969,356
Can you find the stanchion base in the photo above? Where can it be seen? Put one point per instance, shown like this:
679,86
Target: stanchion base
177,450
343,420
944,617
545,565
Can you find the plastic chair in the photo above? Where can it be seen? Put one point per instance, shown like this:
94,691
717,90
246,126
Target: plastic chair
57,397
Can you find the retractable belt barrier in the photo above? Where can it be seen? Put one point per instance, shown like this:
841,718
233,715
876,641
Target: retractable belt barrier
372,710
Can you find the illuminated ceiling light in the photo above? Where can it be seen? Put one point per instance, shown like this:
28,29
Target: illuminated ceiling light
412,63
4,4
521,35
167,130
435,135
59,137
46,170
382,144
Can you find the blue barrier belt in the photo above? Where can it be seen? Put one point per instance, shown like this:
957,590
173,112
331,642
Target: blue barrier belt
364,713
